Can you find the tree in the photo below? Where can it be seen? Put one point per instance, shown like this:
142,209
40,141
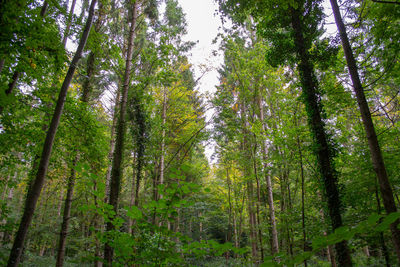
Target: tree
34,192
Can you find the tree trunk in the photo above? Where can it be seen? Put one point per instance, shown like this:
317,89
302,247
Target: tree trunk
133,190
323,147
2,61
44,9
381,238
69,22
258,203
112,143
66,216
116,171
229,234
34,192
162,157
272,219
303,217
246,166
375,150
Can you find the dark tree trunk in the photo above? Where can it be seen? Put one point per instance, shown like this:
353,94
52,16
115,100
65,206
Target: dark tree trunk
116,171
323,147
44,9
2,61
375,150
13,83
66,216
34,192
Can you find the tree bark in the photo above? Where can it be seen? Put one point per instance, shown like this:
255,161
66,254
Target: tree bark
323,147
116,171
34,192
375,150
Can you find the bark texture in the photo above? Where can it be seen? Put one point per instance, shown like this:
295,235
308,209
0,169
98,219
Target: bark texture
116,169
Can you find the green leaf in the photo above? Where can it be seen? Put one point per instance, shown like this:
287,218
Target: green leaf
134,212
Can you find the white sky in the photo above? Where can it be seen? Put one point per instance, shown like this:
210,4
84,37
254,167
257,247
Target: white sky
203,27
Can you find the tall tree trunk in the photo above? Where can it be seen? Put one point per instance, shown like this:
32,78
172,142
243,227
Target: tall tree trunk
133,190
329,250
43,11
375,150
272,219
116,171
69,22
303,217
381,238
86,90
162,157
112,142
323,147
66,216
2,61
246,166
34,192
258,203
229,234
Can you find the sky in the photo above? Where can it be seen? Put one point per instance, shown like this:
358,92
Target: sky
203,26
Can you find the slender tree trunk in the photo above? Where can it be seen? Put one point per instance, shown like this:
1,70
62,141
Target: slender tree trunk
162,157
272,219
323,147
69,23
229,235
13,82
258,204
43,11
329,250
246,151
60,200
2,61
116,171
139,168
385,251
375,150
34,192
112,142
133,190
303,217
66,216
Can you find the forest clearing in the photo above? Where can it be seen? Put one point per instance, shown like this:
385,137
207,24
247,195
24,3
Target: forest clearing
272,142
